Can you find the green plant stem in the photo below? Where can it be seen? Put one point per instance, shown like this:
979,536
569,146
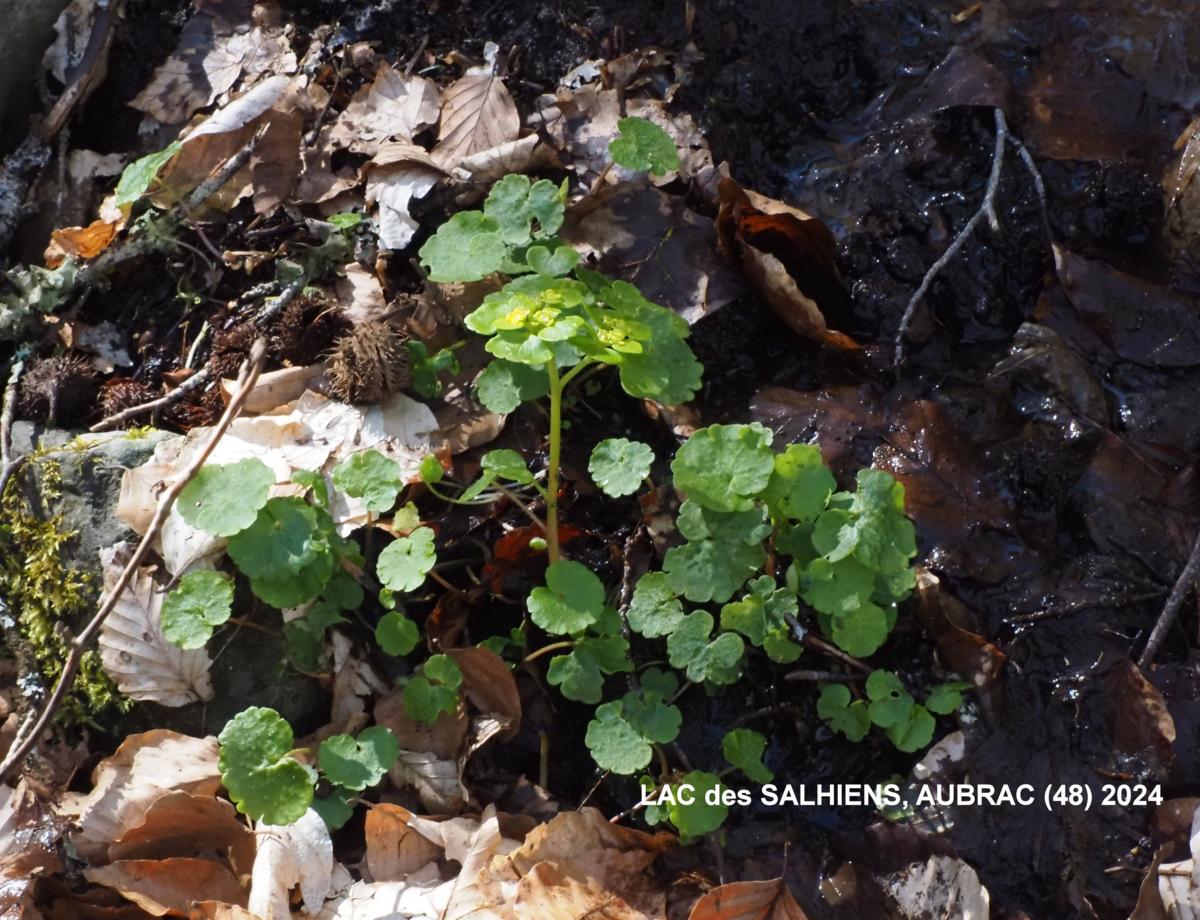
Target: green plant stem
547,649
556,392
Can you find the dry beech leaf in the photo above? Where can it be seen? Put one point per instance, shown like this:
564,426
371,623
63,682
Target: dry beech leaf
399,173
183,824
438,781
361,294
29,844
395,850
275,388
766,900
550,892
273,168
211,55
391,106
133,649
219,910
80,242
168,886
477,113
490,686
1139,716
290,855
144,768
444,738
791,262
589,847
653,240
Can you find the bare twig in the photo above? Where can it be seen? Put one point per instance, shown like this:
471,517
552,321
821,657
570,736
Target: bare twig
37,723
1038,184
194,382
280,303
987,208
805,637
1183,584
9,465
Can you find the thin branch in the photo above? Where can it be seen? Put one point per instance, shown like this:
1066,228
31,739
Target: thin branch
987,208
1183,584
280,303
8,465
194,382
36,724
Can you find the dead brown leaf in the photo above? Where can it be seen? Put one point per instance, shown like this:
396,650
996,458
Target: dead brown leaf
790,261
551,892
653,240
395,850
276,102
766,900
144,768
135,653
28,848
490,686
80,242
169,886
399,173
477,113
183,824
212,54
1139,718
444,737
611,857
390,106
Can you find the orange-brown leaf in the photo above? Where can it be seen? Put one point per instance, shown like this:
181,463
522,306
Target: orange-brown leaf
768,900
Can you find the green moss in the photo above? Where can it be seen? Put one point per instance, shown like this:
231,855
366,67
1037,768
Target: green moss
48,600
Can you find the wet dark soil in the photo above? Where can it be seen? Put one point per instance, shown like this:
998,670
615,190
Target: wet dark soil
1044,423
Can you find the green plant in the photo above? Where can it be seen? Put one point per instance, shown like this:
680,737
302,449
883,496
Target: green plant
889,705
267,782
553,319
644,146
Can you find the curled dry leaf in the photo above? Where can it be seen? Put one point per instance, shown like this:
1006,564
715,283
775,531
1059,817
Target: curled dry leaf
1138,715
478,113
183,824
80,243
212,54
963,651
584,844
133,649
653,240
399,173
490,687
790,261
313,433
438,781
394,849
391,106
550,891
28,847
169,886
299,854
273,168
144,768
765,900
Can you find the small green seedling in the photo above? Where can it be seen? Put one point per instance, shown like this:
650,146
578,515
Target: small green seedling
434,690
266,781
643,146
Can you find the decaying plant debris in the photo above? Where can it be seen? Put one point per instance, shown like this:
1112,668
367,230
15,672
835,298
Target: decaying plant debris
549,408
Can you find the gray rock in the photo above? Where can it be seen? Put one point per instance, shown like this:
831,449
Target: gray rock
90,466
247,671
